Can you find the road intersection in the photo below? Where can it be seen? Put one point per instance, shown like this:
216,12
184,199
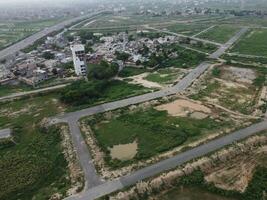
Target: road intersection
95,187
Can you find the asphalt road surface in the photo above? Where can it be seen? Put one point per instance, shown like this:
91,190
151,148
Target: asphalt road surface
13,49
98,188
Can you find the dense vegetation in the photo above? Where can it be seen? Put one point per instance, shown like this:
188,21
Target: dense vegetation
34,165
23,166
100,87
83,94
184,58
103,71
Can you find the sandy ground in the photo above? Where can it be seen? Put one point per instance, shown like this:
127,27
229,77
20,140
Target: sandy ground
183,107
124,151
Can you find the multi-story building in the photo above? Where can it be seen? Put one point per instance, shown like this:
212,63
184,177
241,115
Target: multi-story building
78,53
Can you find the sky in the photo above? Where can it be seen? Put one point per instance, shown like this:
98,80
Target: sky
39,1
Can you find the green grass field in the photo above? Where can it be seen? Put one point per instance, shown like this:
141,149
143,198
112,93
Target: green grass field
253,43
155,131
221,33
34,167
164,76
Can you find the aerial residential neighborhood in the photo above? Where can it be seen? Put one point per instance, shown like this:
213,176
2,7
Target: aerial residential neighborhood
133,100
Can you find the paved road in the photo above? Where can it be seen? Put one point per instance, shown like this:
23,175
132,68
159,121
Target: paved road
33,38
97,188
21,94
5,133
170,163
228,44
84,156
204,31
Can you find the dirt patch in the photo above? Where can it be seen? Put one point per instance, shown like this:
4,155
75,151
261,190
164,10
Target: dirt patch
198,115
181,108
237,74
124,151
237,173
140,79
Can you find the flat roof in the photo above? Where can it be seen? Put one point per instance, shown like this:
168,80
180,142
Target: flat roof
5,133
77,47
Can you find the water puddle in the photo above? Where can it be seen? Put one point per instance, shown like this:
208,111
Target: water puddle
124,151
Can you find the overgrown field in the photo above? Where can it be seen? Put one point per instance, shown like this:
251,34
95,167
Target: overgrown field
33,166
253,43
155,132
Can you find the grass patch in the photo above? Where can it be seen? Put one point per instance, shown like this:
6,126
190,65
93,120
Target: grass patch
253,43
220,34
132,71
161,78
9,89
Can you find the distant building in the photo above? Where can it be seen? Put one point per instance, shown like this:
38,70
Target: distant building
78,53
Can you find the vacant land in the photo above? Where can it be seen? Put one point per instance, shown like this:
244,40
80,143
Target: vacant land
154,129
13,31
188,29
220,33
33,165
235,88
253,43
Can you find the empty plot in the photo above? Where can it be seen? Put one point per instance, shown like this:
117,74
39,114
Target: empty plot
253,43
219,34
